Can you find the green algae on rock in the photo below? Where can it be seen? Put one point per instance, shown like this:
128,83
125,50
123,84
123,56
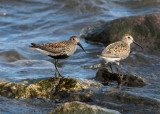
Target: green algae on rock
43,87
12,90
77,107
105,76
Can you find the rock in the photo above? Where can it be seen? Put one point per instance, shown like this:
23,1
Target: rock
117,99
77,107
11,56
125,102
82,90
144,28
12,90
105,76
44,87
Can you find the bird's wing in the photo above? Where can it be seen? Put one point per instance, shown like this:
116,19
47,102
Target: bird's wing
54,47
117,49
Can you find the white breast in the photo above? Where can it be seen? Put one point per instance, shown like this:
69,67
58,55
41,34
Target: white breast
111,60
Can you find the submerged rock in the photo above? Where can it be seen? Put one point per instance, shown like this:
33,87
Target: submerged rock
43,87
125,102
12,55
105,76
77,107
115,99
144,28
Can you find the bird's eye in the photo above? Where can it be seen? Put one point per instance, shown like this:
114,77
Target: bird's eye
129,37
73,38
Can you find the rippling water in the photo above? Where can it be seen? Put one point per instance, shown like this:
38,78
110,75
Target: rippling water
39,21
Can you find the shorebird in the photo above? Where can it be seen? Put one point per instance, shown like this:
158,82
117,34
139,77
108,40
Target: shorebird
58,50
115,52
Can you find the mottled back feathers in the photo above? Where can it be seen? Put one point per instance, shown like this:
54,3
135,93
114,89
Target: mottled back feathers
118,49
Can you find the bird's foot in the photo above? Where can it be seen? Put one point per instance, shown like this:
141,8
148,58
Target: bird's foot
60,76
119,79
58,85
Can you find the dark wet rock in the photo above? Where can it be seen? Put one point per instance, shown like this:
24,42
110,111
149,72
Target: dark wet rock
126,102
116,99
105,76
43,87
12,55
145,29
77,107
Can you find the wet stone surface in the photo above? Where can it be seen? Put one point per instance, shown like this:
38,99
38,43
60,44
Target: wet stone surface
105,76
43,87
82,90
79,108
116,99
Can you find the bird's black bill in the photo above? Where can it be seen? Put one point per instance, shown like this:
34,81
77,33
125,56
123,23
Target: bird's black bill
137,44
81,47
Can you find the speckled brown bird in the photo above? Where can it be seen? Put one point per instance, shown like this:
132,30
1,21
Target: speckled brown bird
117,51
59,49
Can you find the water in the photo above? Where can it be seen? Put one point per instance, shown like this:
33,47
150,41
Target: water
25,21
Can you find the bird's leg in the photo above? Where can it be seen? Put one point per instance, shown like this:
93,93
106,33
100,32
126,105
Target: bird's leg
119,80
110,66
57,68
55,64
121,76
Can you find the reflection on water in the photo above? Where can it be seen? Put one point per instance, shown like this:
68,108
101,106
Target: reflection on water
38,21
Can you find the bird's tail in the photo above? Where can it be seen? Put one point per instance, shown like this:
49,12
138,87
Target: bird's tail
99,56
33,45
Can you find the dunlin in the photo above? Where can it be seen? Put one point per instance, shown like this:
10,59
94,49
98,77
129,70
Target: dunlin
58,50
117,51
